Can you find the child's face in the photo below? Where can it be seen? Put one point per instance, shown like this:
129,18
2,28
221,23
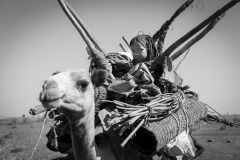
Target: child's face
139,52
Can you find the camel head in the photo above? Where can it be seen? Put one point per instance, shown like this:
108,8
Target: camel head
71,92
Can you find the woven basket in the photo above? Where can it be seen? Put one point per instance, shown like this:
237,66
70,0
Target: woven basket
154,135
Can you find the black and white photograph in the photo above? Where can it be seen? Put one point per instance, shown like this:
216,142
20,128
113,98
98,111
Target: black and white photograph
119,80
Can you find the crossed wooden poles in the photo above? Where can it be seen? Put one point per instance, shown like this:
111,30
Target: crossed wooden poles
158,37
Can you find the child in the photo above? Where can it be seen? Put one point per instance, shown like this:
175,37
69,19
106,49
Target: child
143,49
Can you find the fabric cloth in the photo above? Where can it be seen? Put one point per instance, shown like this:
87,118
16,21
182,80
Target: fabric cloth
120,88
180,145
139,76
99,60
121,64
140,73
128,54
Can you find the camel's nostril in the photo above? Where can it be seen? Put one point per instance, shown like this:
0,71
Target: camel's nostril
51,84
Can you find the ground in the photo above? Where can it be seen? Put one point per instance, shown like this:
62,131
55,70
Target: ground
18,137
225,143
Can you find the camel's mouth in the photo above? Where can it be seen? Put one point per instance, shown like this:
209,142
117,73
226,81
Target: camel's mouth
51,98
53,103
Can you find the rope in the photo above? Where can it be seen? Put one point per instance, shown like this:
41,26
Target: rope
218,120
39,138
187,120
178,123
214,111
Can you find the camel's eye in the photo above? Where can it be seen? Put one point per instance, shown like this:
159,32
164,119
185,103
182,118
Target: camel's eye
82,84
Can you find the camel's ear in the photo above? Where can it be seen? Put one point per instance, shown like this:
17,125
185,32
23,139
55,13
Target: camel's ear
56,72
99,76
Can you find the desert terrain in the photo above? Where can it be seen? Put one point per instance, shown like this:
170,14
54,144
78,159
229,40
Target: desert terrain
18,137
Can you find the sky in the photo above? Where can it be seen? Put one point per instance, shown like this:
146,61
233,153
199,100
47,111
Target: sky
37,39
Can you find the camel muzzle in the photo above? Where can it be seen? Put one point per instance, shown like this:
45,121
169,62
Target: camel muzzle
51,95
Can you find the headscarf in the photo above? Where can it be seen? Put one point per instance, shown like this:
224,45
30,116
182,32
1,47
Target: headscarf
148,43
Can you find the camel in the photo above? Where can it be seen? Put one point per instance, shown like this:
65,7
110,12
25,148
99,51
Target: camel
72,93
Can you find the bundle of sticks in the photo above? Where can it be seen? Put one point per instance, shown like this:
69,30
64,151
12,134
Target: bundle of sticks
134,116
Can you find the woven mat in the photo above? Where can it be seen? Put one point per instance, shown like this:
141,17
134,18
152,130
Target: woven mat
165,130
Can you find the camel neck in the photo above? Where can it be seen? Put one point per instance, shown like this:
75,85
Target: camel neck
83,132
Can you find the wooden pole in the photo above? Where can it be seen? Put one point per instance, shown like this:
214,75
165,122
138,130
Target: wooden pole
85,28
124,39
82,32
159,36
77,25
219,12
122,47
197,38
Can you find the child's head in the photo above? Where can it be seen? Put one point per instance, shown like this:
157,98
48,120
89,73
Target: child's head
143,48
